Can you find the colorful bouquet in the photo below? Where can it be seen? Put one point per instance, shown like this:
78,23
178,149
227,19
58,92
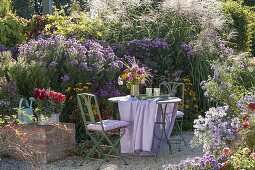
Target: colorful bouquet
49,101
133,75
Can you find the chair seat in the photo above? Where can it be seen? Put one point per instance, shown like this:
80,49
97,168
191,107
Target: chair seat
179,114
108,125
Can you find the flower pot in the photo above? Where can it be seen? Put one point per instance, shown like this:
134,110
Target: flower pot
134,89
42,120
54,118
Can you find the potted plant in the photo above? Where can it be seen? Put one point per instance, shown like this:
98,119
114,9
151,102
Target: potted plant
49,105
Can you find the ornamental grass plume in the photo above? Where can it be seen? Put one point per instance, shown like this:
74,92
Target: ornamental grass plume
208,13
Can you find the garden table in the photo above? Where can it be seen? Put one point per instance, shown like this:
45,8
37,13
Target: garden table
147,121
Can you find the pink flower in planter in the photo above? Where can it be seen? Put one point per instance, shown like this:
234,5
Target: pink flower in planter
40,94
57,97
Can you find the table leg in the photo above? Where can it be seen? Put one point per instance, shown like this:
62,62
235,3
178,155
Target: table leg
163,132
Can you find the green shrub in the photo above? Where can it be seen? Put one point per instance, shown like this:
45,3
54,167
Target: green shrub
243,21
12,30
5,7
78,24
24,8
27,77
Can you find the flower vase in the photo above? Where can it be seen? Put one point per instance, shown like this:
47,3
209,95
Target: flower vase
43,120
54,118
134,89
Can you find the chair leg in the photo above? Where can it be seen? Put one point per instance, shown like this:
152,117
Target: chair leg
114,148
180,130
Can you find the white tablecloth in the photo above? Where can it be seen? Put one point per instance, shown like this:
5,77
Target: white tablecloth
141,115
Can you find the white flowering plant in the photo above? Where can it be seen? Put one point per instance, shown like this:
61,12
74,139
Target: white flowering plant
216,130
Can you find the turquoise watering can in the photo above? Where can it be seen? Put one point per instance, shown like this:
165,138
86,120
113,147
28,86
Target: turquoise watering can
25,114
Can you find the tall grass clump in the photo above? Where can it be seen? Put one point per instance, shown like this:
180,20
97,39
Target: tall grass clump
191,28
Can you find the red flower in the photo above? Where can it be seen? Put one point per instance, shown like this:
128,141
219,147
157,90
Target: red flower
251,106
57,97
40,94
246,124
226,151
225,164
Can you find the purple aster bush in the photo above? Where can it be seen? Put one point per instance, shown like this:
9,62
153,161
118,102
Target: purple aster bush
189,51
216,130
67,59
42,49
147,51
108,89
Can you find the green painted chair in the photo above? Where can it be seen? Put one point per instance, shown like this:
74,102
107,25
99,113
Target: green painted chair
101,130
176,89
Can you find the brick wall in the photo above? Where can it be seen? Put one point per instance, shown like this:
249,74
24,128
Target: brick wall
51,142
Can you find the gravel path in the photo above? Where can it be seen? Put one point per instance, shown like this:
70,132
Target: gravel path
135,162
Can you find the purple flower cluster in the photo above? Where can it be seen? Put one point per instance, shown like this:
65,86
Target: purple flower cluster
225,51
208,161
73,47
147,44
40,45
3,48
190,52
146,47
109,90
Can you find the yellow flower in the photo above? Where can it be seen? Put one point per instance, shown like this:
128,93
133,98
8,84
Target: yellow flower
196,106
186,106
89,83
78,89
68,89
77,84
85,87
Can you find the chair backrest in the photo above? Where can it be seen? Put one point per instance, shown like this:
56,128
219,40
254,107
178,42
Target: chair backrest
89,108
174,89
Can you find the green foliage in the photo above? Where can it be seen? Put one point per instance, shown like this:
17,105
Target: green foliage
243,159
24,8
79,25
5,7
11,30
231,80
27,77
243,21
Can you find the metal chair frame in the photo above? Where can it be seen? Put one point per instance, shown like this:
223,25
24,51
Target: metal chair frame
85,103
172,89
